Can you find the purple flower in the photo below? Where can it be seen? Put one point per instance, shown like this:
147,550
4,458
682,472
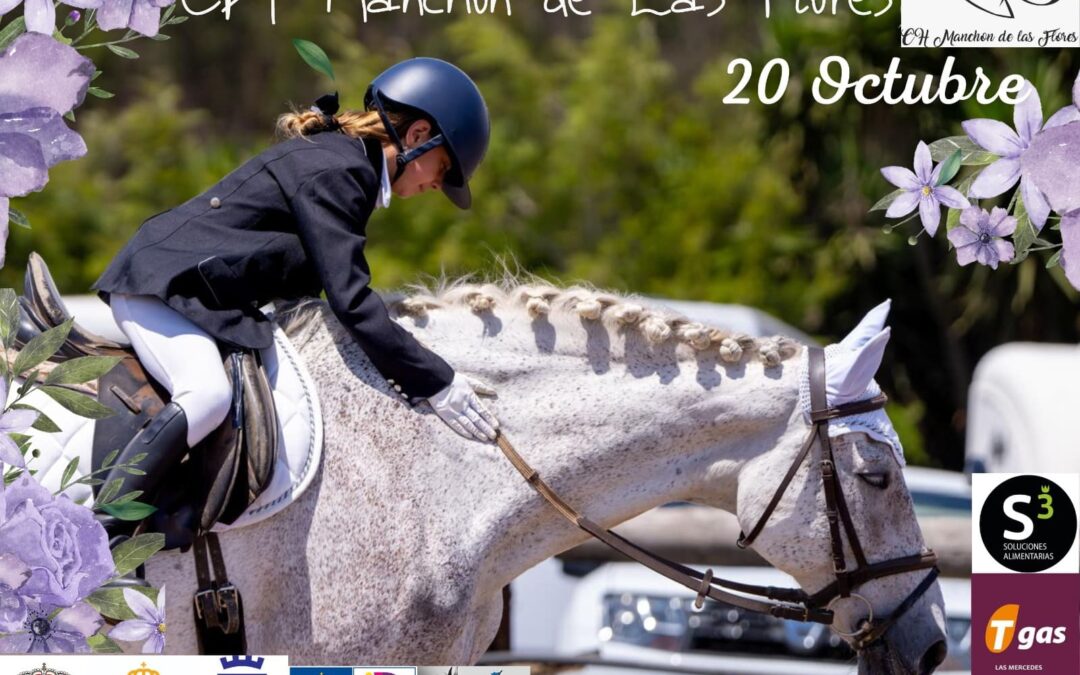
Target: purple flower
13,574
4,217
40,15
1070,242
65,633
1011,146
72,17
64,547
1053,164
142,16
33,136
978,237
12,421
148,624
921,189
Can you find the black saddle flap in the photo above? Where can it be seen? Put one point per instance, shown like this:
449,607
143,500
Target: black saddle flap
226,471
237,462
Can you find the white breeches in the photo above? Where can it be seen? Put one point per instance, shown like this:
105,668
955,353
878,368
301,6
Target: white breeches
180,356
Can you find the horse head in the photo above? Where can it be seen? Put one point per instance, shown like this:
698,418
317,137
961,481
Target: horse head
868,465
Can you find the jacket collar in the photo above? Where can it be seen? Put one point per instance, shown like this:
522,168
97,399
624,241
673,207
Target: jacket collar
373,148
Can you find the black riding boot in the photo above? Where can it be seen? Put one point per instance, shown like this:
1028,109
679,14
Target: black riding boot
164,440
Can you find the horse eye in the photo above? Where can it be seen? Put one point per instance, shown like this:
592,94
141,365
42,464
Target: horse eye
878,480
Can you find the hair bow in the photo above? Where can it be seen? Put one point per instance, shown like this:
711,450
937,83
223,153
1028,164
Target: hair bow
327,105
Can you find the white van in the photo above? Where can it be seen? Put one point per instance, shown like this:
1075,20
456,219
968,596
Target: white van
1024,410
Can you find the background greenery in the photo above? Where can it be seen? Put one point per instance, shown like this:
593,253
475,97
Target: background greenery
613,159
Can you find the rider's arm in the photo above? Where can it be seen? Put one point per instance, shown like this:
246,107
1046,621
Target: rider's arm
331,210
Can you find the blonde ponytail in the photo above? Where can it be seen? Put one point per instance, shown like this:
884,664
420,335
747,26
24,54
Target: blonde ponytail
355,123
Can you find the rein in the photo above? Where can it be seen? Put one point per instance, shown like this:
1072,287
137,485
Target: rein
784,603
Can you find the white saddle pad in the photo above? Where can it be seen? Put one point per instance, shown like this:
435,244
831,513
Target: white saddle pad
299,437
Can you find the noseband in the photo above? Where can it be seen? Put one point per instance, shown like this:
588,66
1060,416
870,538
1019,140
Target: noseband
784,603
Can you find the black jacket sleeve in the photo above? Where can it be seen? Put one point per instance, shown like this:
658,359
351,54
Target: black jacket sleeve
331,211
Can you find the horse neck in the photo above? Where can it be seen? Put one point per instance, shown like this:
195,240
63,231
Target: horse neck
616,426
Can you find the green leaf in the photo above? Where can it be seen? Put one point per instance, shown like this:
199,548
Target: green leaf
130,510
17,217
159,37
949,168
12,31
80,404
69,471
110,602
110,458
100,644
122,51
70,116
887,200
314,56
95,76
1024,236
43,421
28,382
125,498
109,491
952,219
41,347
970,154
135,551
1054,260
136,458
9,315
99,92
177,19
81,369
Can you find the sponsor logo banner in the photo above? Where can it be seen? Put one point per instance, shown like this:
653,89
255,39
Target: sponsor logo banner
1025,623
1024,523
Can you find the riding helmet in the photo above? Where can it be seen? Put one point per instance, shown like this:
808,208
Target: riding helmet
452,101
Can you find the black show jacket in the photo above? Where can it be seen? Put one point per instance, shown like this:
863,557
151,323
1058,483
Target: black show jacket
287,223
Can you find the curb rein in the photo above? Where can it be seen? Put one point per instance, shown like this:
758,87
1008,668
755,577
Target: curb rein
784,603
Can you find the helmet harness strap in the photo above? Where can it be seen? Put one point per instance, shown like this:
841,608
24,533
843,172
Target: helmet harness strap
403,156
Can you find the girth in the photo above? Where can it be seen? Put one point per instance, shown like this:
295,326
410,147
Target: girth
784,603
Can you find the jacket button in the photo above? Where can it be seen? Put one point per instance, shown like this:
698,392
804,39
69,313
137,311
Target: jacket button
397,387
215,203
404,395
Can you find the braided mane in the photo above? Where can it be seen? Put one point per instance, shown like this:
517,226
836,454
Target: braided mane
539,299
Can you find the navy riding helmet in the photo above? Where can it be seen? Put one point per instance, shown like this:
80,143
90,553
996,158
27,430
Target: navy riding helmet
447,96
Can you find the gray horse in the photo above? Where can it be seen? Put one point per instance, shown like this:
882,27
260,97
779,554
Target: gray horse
400,548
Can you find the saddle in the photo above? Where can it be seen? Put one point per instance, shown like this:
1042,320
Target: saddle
223,474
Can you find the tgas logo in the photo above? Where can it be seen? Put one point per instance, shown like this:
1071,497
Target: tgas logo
1002,628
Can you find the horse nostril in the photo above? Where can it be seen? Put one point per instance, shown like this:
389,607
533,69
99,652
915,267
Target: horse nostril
933,657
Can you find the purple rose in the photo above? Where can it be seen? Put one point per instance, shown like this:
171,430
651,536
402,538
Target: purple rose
13,574
66,550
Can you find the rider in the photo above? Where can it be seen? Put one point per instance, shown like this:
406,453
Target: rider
288,223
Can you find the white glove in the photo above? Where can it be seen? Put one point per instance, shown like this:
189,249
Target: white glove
459,406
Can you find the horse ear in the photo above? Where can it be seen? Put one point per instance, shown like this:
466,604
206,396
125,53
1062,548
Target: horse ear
870,326
848,374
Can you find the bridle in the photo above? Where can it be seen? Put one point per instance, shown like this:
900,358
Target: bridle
784,603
